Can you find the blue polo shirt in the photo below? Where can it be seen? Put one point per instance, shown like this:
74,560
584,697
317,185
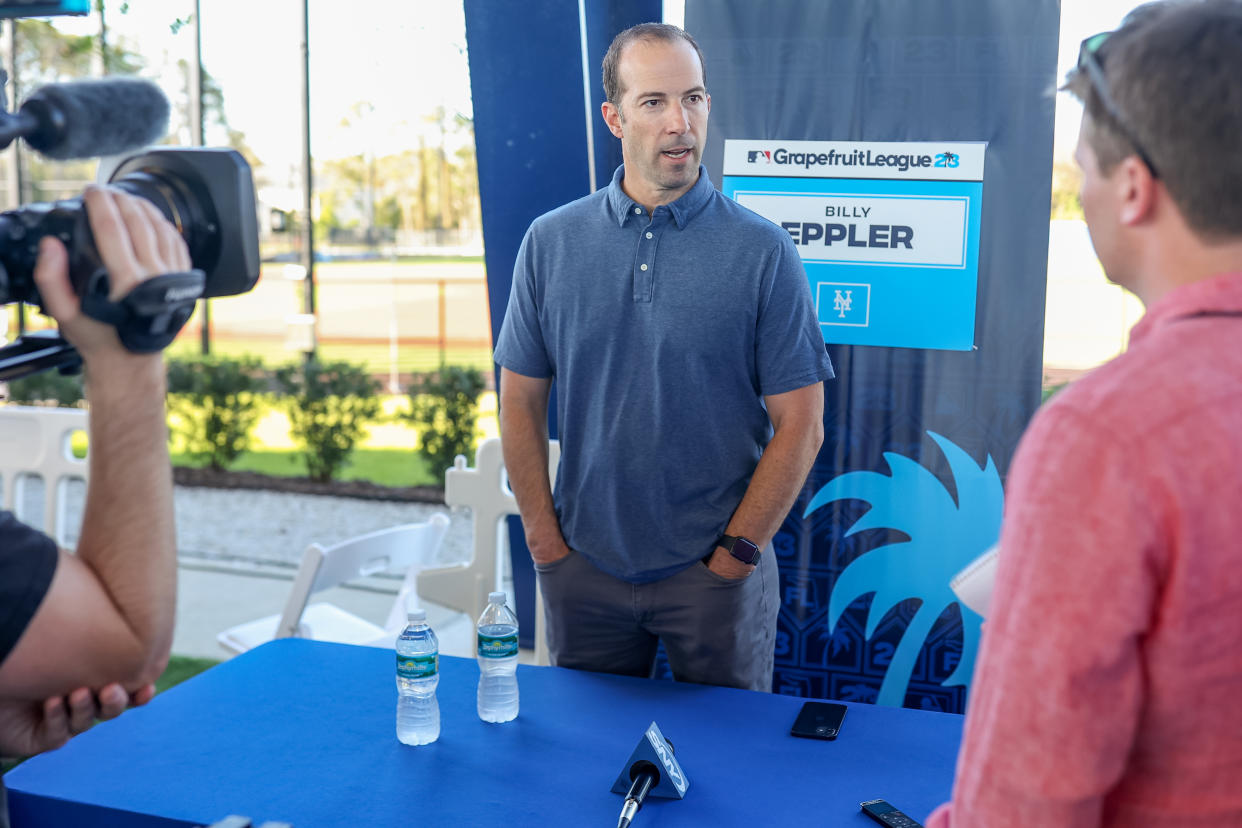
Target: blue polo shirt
663,333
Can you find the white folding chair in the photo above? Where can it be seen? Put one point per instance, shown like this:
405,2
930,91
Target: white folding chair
408,547
35,444
485,490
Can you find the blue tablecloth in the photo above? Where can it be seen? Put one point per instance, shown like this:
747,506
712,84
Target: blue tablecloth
304,732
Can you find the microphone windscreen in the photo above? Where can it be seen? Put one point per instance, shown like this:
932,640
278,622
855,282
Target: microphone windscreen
97,117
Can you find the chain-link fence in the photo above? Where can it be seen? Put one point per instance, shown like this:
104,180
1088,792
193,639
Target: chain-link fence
397,317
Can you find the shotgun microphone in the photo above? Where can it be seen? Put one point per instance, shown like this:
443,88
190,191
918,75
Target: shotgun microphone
84,119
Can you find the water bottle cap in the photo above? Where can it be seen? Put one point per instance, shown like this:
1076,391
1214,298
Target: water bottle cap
417,616
496,598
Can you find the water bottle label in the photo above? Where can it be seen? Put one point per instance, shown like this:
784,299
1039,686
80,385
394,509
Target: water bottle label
498,646
418,667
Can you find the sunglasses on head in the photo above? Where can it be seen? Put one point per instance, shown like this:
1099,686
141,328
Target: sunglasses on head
1089,62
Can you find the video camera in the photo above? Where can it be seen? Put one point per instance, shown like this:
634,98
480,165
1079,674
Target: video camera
207,194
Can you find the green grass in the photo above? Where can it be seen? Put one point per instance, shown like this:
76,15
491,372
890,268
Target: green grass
1050,391
387,467
385,456
181,668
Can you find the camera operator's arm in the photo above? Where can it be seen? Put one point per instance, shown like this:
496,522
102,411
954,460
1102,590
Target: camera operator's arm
108,614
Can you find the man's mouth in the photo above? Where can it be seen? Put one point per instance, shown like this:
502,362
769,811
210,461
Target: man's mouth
677,154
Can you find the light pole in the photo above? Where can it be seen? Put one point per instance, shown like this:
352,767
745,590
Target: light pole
14,158
308,224
198,139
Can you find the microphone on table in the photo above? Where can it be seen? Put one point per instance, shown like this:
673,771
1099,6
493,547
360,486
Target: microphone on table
651,769
645,776
85,119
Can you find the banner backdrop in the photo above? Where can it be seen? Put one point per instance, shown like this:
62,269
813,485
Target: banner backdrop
924,417
888,232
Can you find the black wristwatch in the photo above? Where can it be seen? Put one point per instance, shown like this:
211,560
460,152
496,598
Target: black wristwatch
740,548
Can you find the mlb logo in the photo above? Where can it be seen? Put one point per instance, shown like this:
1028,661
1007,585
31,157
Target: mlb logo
754,155
844,304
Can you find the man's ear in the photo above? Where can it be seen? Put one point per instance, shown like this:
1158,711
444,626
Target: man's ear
612,117
1136,194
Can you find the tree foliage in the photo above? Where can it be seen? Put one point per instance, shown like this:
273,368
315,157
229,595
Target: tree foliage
444,408
428,187
47,55
215,401
1066,181
65,390
329,405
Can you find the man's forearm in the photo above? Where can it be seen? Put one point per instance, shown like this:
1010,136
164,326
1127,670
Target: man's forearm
107,616
524,441
777,480
128,535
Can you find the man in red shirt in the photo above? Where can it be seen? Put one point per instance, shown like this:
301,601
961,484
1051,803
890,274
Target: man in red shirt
1109,686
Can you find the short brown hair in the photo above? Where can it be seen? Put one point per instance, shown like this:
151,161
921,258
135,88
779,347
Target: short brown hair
1174,69
643,31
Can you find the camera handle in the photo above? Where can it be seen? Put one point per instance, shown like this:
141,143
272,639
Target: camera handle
149,317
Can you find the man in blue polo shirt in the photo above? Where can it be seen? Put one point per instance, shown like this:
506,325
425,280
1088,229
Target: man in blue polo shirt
689,366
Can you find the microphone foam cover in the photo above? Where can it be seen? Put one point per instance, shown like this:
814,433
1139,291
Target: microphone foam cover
107,116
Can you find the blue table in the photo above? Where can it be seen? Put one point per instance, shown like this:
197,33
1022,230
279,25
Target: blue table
303,732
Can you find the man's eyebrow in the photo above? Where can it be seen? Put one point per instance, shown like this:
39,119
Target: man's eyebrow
694,90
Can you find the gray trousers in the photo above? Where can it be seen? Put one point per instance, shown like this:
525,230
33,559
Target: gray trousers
715,630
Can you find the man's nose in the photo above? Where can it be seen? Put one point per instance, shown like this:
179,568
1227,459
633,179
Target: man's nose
678,119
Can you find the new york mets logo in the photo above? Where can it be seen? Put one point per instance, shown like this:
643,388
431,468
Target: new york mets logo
843,303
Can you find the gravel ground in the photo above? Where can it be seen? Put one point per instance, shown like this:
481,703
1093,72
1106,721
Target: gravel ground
248,525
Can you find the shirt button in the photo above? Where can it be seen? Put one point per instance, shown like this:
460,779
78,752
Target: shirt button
648,234
637,210
642,267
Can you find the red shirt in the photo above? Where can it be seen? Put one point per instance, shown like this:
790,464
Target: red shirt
1109,684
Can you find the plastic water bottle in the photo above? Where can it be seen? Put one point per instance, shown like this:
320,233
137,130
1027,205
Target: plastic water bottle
498,658
418,673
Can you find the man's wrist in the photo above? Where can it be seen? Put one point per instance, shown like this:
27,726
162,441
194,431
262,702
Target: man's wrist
740,548
723,563
546,544
123,373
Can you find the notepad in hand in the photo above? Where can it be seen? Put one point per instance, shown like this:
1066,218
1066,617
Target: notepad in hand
973,585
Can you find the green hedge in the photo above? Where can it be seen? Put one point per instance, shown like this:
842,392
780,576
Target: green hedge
444,408
329,406
215,403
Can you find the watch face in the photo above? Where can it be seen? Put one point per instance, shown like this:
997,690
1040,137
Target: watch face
745,551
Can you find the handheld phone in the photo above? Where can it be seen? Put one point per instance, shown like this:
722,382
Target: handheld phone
885,814
819,720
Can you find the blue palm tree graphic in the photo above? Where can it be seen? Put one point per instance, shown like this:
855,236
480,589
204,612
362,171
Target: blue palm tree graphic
944,537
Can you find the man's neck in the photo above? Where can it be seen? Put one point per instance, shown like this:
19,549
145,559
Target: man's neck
1172,266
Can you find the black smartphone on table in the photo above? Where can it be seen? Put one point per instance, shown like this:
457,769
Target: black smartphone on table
887,814
819,720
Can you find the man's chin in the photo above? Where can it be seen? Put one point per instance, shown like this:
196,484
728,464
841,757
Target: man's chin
689,162
675,178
